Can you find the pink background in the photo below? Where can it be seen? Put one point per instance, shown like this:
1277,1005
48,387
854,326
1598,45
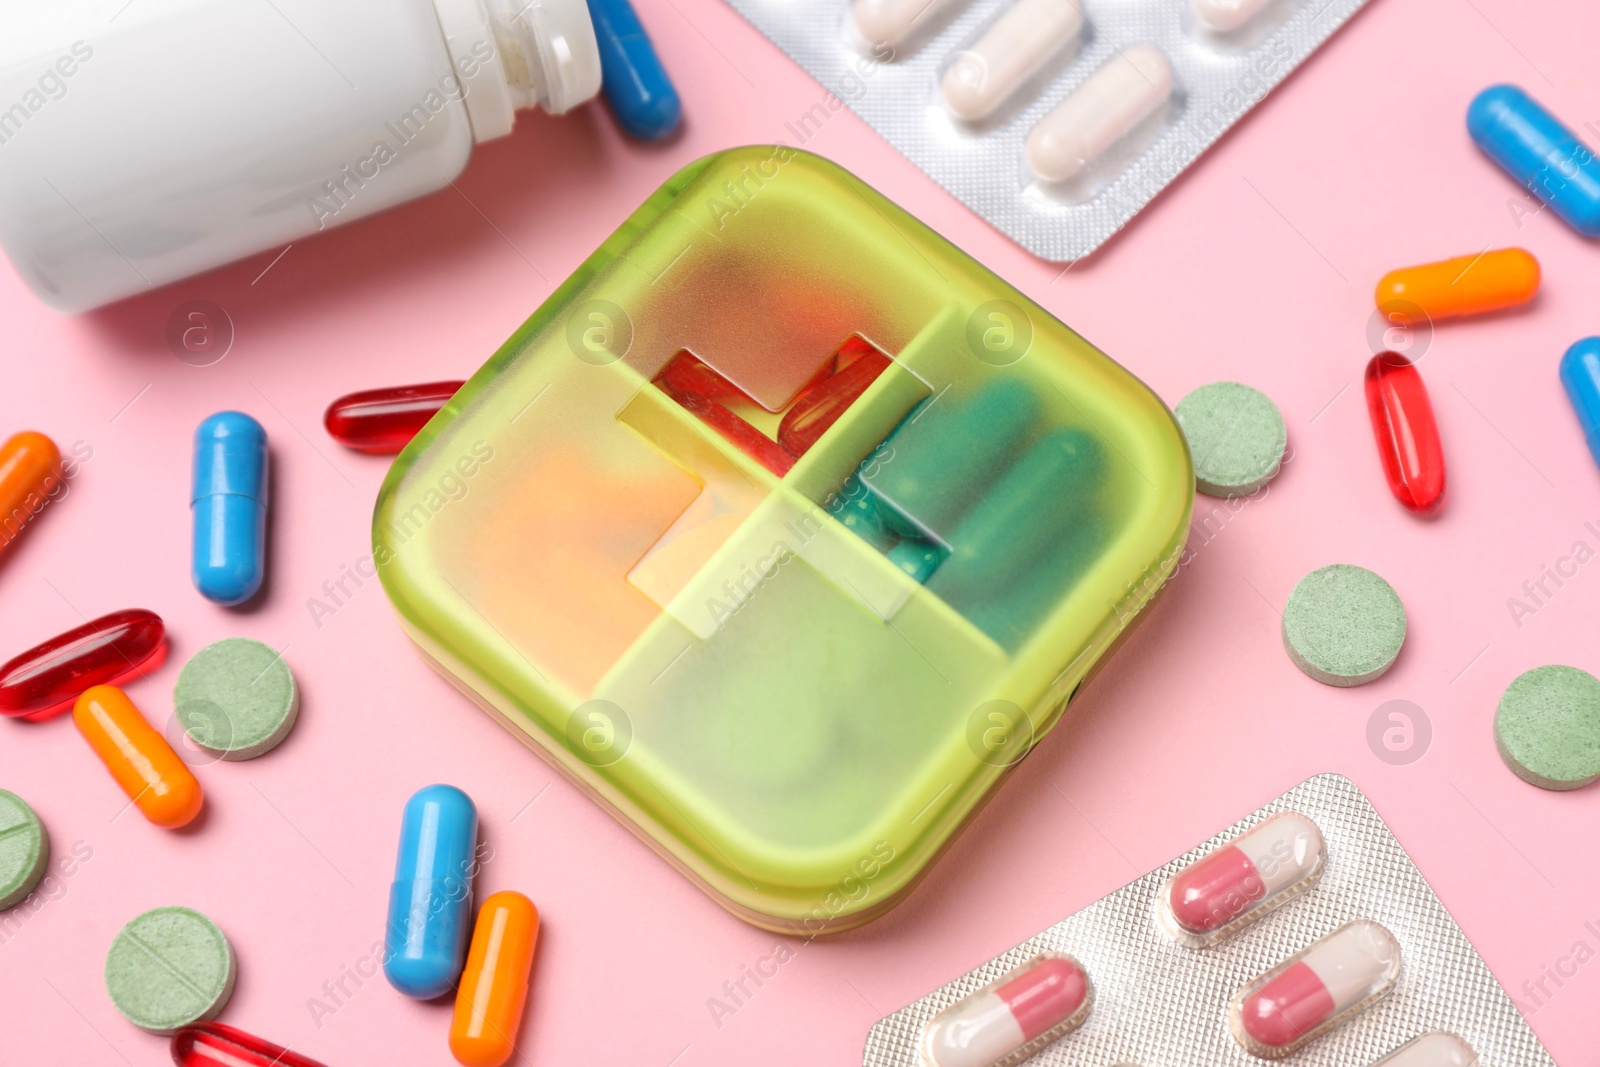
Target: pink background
1257,266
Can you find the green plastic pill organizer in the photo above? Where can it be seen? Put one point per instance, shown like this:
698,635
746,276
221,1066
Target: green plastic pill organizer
785,530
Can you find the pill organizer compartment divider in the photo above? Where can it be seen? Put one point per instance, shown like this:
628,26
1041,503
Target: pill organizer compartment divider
757,692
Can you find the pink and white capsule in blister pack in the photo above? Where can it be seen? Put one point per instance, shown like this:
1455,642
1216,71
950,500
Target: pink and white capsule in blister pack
1056,120
1303,933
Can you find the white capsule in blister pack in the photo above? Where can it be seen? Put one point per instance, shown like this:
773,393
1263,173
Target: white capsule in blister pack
1056,120
1437,1049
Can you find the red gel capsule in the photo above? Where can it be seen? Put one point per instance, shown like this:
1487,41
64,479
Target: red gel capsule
385,420
820,406
216,1045
104,651
1407,435
688,374
749,440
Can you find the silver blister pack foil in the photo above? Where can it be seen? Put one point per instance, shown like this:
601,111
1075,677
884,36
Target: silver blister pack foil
1218,79
1158,1004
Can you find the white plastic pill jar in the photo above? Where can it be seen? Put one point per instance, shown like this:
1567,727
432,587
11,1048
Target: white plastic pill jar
143,141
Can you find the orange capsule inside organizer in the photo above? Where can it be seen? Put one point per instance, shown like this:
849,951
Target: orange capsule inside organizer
494,986
1466,285
30,469
138,757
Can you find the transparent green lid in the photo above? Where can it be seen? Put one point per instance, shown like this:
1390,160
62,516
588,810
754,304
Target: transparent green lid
784,529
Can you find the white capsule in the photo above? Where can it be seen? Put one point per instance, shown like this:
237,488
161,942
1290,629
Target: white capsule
1100,112
1007,55
892,22
1437,1049
1243,880
1225,16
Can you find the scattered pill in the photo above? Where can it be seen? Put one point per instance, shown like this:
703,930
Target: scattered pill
1110,103
1541,153
230,507
107,650
1466,285
1245,879
1225,16
494,985
820,406
1406,432
138,757
1236,438
1437,1049
1547,727
30,470
170,967
1316,989
382,421
236,699
430,902
632,79
1580,376
1008,54
24,849
216,1045
1038,1002
1343,625
893,22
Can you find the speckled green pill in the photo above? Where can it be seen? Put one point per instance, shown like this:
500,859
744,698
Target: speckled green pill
1343,625
1547,727
236,699
24,849
170,967
1236,438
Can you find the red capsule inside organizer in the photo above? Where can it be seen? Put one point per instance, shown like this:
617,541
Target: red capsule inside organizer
820,406
103,651
686,373
1027,1008
384,420
216,1045
1407,435
749,440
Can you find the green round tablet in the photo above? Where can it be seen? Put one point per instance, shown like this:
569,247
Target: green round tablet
1236,438
24,849
1548,727
168,968
1343,625
236,699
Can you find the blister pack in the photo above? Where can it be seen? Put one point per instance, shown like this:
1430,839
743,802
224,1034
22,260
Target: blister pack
1303,930
1055,120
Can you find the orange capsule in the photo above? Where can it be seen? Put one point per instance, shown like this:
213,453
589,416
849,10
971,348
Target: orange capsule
1466,285
138,757
30,469
494,986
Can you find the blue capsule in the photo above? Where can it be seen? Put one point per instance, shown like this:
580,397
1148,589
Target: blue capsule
1580,376
230,507
430,902
632,78
1532,146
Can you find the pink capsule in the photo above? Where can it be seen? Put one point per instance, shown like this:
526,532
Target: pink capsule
103,651
1026,1009
217,1045
1245,879
1315,990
